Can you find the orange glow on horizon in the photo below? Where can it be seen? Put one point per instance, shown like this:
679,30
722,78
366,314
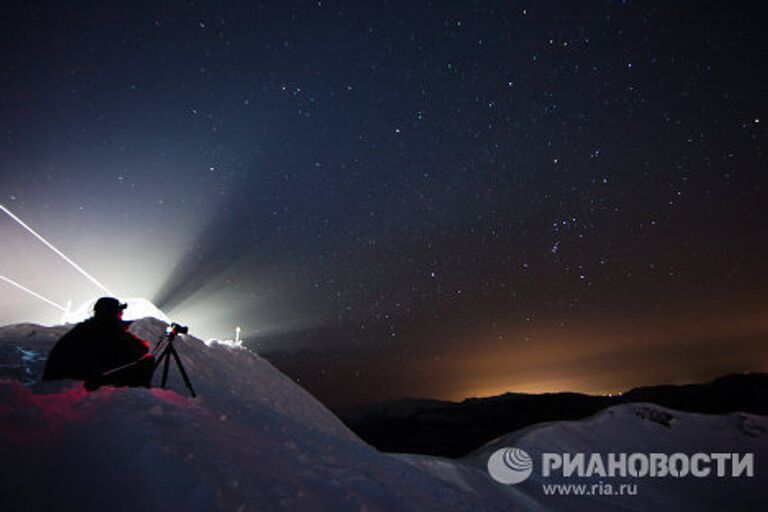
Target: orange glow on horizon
618,359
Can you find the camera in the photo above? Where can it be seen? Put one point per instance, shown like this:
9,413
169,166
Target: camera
178,328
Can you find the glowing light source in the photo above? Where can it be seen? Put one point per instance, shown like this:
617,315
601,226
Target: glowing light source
137,309
54,249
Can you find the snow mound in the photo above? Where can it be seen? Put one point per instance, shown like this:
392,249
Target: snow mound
252,440
223,375
629,428
137,309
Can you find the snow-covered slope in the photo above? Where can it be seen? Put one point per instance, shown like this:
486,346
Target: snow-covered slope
254,440
629,428
137,309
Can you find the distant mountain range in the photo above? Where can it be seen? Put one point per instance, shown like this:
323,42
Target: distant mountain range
453,429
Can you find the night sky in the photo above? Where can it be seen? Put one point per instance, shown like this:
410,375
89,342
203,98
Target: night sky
401,199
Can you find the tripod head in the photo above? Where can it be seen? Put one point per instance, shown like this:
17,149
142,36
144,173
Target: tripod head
175,329
168,336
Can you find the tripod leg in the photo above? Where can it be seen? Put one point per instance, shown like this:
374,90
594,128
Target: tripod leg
166,364
183,372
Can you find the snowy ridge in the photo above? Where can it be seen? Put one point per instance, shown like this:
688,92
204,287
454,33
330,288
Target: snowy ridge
642,428
137,309
254,440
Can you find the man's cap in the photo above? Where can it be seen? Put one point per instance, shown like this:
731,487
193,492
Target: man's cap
108,306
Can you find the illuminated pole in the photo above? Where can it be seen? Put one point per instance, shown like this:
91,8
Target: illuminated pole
237,335
51,247
24,288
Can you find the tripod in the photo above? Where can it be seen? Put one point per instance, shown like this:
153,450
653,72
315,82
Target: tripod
166,350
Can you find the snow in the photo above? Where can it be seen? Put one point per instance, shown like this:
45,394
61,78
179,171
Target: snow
226,343
254,440
137,309
633,428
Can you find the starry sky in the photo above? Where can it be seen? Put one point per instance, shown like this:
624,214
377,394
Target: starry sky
401,199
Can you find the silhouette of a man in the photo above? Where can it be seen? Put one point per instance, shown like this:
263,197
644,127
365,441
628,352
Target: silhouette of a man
98,345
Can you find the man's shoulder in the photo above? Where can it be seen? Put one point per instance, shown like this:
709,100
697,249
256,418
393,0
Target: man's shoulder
87,328
85,325
78,328
79,333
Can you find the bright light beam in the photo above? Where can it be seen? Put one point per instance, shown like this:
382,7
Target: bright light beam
51,247
24,288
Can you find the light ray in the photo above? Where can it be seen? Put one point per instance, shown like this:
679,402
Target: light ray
54,249
34,294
